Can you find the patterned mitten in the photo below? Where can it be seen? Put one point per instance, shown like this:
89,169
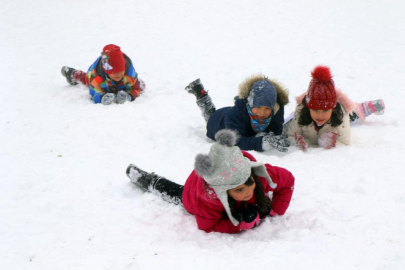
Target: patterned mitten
108,98
122,96
279,142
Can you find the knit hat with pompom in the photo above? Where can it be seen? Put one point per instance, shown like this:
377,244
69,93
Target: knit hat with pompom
112,59
225,168
321,94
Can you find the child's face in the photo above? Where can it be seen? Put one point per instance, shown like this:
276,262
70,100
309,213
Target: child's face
321,116
117,76
261,112
242,192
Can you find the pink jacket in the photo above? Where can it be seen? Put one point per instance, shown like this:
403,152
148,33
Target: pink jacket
200,199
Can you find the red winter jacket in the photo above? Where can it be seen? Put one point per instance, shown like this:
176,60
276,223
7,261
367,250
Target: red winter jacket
200,199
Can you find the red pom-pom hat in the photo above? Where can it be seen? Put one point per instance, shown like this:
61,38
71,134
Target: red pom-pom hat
112,59
321,94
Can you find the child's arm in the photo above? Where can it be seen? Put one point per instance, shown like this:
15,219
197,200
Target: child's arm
285,186
132,83
344,131
95,89
134,87
291,126
210,220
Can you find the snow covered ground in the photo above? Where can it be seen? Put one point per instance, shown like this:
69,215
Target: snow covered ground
65,201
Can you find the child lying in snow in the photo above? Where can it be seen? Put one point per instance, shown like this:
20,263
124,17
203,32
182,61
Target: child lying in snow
228,190
324,114
111,78
257,115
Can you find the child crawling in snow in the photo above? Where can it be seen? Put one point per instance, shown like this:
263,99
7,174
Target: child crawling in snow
257,115
324,114
227,191
111,78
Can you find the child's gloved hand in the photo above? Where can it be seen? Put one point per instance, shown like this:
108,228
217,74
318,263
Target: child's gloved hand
108,98
122,96
278,142
327,140
273,213
250,218
300,142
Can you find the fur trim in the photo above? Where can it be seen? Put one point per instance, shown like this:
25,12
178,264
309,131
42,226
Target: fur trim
342,98
245,86
203,165
226,137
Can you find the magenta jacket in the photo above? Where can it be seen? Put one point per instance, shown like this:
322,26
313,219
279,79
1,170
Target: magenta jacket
200,199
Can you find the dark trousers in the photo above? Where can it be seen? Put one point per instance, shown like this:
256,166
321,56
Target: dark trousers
168,190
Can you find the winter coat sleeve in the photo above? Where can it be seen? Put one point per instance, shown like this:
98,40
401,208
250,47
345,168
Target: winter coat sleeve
292,127
95,90
344,131
132,83
282,194
215,221
277,121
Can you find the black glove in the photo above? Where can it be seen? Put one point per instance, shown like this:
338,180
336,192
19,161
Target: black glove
278,142
250,213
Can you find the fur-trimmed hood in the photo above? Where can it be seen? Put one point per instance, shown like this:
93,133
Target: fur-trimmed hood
342,98
245,86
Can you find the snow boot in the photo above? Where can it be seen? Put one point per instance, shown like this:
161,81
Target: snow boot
67,72
166,189
367,108
196,88
206,106
142,179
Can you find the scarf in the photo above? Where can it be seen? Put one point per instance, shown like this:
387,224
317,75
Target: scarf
258,125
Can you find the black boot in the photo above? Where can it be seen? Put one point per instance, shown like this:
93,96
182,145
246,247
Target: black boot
67,72
142,179
196,88
156,184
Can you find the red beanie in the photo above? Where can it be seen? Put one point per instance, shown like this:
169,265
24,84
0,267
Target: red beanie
112,59
321,93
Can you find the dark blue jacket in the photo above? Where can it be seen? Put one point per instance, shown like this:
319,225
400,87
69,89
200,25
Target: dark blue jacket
237,118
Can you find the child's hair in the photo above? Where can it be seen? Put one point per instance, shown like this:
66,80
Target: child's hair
305,116
263,202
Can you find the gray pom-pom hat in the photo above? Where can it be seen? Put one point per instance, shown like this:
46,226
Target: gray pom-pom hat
225,168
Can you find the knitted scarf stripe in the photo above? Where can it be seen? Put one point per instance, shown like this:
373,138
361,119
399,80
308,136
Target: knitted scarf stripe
257,125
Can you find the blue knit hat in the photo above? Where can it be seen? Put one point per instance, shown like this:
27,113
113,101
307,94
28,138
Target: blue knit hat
262,93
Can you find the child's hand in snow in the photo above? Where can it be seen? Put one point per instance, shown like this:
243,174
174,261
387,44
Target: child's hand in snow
250,217
327,140
300,142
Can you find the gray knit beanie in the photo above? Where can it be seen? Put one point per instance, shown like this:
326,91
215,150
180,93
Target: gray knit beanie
225,168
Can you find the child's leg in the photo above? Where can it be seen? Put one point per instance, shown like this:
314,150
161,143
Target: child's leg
151,182
206,106
80,76
204,101
367,108
74,76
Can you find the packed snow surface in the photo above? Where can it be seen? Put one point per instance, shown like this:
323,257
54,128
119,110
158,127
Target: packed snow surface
65,200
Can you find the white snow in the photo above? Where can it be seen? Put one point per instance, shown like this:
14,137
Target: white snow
65,201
